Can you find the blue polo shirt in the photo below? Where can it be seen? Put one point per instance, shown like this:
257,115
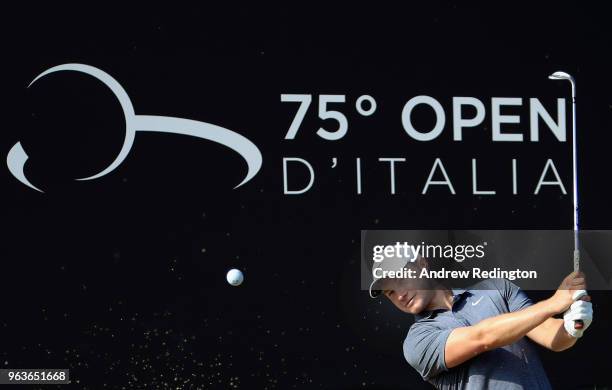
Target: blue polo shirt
515,366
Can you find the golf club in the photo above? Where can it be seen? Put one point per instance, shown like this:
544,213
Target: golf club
565,76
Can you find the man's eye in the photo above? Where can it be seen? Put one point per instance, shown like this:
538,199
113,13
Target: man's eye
389,293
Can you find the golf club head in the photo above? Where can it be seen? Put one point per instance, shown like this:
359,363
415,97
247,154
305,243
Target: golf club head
560,76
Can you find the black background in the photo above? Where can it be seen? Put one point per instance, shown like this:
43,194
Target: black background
122,279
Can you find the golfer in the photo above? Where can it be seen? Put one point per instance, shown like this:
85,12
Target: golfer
477,338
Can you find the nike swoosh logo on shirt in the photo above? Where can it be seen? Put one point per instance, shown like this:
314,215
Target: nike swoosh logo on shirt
477,302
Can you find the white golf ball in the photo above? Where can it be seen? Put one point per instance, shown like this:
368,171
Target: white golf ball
235,277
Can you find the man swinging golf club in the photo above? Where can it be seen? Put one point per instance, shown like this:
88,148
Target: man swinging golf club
476,338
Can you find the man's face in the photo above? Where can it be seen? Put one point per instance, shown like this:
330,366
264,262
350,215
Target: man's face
410,296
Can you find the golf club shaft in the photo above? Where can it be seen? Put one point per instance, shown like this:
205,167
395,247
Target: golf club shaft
577,324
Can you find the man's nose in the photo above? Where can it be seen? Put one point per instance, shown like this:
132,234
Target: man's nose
402,297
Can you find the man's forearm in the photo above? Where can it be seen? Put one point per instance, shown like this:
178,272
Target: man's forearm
466,342
507,328
560,340
494,332
552,335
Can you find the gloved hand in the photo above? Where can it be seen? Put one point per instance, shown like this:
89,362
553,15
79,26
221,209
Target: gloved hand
579,310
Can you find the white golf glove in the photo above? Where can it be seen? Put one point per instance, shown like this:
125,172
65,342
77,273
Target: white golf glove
580,310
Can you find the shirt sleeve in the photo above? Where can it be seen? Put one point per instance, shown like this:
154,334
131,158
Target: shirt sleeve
515,298
424,349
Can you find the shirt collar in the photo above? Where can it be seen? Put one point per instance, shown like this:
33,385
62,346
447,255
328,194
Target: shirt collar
458,293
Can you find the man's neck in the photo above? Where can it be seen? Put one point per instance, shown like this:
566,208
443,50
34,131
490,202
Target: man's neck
443,299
